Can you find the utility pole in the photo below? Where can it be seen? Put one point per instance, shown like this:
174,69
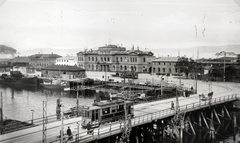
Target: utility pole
78,102
1,115
61,123
127,125
44,140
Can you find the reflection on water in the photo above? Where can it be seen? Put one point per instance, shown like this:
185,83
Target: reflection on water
18,101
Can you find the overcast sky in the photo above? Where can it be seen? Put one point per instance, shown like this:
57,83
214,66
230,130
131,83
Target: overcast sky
151,24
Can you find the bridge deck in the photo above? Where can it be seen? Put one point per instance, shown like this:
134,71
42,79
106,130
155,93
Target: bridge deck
143,113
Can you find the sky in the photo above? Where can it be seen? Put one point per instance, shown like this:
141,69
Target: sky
148,24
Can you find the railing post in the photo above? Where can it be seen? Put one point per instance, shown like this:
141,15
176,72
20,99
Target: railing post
193,105
98,132
110,128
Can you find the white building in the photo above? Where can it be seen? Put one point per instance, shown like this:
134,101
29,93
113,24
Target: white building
67,61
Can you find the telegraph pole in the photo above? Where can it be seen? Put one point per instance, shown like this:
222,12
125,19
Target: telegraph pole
1,115
44,140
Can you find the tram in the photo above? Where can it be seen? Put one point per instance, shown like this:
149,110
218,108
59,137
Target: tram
106,111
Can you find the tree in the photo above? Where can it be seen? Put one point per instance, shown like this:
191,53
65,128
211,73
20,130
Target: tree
224,54
189,66
182,65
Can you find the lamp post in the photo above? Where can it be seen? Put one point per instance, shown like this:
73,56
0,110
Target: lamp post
32,116
161,85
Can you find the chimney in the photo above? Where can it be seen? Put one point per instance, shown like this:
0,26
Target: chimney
133,47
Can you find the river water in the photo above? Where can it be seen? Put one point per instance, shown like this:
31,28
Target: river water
18,101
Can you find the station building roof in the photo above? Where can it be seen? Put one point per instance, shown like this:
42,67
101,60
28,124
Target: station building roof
166,59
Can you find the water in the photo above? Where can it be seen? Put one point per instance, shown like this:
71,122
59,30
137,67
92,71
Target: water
18,101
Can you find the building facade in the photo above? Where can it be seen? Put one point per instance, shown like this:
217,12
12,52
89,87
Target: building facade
115,59
39,61
67,61
164,65
65,72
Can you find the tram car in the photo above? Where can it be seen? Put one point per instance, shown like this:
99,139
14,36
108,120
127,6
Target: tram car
106,111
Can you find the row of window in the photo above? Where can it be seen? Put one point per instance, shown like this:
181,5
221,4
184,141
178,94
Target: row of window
107,59
160,63
41,64
62,60
163,70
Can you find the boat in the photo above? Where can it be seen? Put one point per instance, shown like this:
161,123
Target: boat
54,84
16,77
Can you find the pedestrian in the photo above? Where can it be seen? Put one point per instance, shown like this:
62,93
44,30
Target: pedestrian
191,88
172,108
69,133
88,127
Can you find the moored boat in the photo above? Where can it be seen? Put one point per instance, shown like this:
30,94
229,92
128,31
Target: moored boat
54,84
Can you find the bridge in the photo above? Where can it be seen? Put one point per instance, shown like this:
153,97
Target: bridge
143,113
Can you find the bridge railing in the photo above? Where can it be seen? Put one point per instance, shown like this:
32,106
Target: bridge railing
116,127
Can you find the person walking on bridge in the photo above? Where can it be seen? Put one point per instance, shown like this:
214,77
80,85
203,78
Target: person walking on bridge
172,105
69,133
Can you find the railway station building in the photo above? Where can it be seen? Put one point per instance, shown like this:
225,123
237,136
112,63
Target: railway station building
115,59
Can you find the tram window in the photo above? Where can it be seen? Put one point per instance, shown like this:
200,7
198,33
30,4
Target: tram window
85,114
120,107
105,111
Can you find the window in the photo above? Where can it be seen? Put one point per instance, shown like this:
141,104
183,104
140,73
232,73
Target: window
135,59
144,60
105,111
159,70
92,58
121,59
163,69
164,63
170,70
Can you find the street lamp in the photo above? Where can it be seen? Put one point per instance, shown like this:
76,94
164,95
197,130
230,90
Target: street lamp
32,116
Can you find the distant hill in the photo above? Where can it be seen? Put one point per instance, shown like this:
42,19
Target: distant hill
7,50
204,51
